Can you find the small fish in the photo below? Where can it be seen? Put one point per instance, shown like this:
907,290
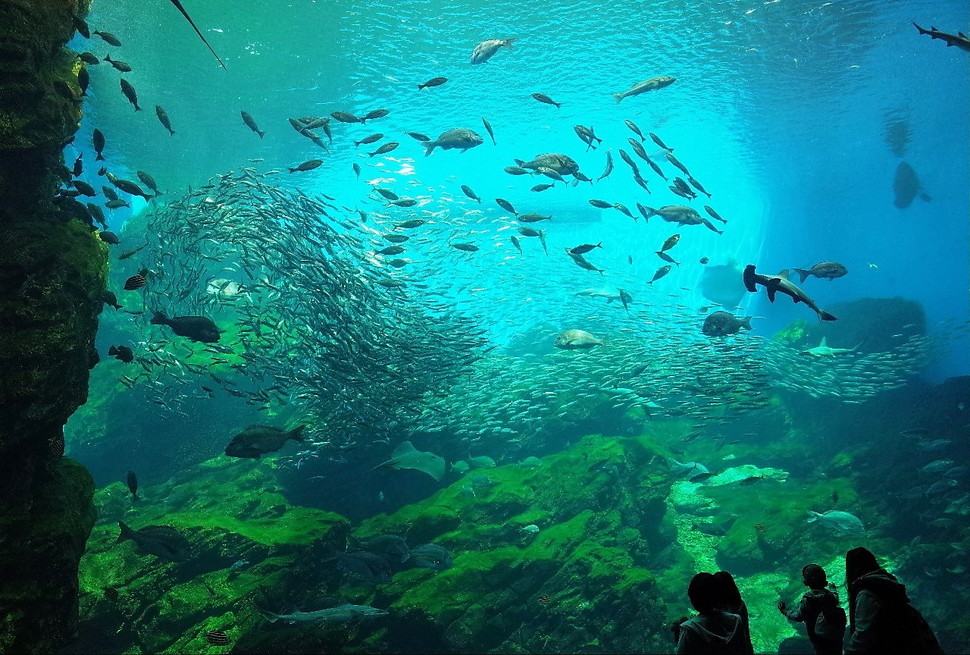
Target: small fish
601,204
110,593
417,136
659,142
506,205
163,119
387,194
543,98
467,190
404,202
585,248
345,117
635,129
84,188
516,170
515,242
377,136
217,638
434,81
132,253
580,261
137,281
704,260
148,181
122,354
697,185
488,128
97,139
670,243
373,115
83,80
667,258
129,91
533,218
81,27
390,250
89,58
609,166
132,481
251,123
652,84
120,66
542,187
108,37
385,148
713,214
116,203
662,271
466,247
676,162
356,168
307,165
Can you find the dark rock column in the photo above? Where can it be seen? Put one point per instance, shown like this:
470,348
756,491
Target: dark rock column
52,276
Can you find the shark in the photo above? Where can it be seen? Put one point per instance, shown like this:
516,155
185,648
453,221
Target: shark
775,283
338,614
823,350
406,456
959,39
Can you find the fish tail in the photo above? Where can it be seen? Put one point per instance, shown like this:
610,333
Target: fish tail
269,616
429,147
802,274
296,434
261,134
100,157
126,532
618,97
508,42
825,316
160,318
746,322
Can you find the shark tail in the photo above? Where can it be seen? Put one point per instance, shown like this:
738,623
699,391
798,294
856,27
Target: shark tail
269,616
296,434
825,316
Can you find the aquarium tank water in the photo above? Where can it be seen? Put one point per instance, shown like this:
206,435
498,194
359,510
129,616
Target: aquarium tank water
467,327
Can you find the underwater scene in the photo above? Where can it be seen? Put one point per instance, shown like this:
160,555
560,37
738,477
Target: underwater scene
466,327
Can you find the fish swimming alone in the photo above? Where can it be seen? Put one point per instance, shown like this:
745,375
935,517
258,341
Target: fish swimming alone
823,350
406,456
196,328
722,324
828,270
652,84
577,340
484,50
338,614
780,282
906,186
457,139
258,440
159,540
959,39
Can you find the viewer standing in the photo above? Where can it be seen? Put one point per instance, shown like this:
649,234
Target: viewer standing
713,631
731,601
820,612
881,620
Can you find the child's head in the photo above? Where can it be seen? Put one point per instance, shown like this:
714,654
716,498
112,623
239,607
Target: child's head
813,576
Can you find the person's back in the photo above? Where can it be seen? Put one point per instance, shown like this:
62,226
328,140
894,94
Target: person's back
714,631
819,610
882,620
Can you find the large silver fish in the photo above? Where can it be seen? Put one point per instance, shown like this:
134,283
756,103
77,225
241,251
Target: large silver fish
647,85
484,50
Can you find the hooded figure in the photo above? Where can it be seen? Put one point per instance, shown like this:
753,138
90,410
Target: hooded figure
713,631
881,620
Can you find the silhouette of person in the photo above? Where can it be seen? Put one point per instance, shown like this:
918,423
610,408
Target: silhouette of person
881,619
732,602
811,606
713,631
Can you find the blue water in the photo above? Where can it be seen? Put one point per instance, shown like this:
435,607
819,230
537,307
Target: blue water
780,110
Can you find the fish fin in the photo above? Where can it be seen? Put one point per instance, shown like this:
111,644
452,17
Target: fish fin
771,292
112,350
269,616
825,316
618,97
784,273
178,5
822,343
403,448
508,42
296,434
126,532
159,318
802,274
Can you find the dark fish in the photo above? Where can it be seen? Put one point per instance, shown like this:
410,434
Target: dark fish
587,136
667,258
390,250
196,328
466,247
670,242
642,182
83,79
434,81
130,187
108,37
601,204
178,5
580,261
515,242
81,27
659,142
430,556
826,270
307,165
345,117
404,202
84,188
722,324
132,253
656,168
704,260
467,190
387,194
377,136
116,203
118,65
110,593
375,114
109,193
159,540
258,440
516,170
533,218
713,214
609,166
357,170
506,205
148,181
410,224
163,119
629,160
488,128
662,271
365,566
251,123
385,148
390,546
697,185
676,162
137,281
122,354
417,136
89,58
132,481
623,209
217,638
906,186
543,98
626,299
97,139
959,40
130,93
585,248
460,139
110,299
635,129
528,231
542,187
